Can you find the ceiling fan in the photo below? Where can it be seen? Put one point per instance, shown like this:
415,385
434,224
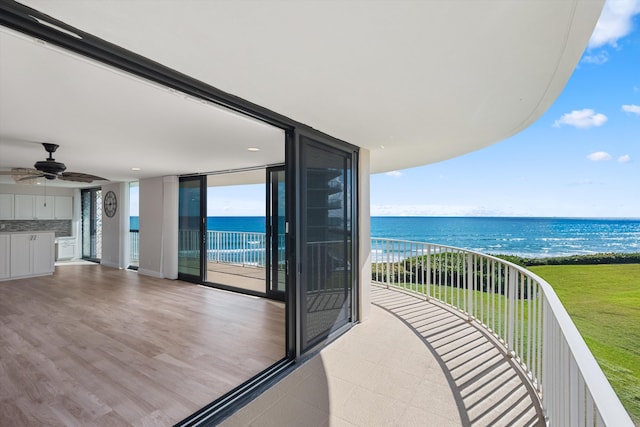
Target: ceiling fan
50,169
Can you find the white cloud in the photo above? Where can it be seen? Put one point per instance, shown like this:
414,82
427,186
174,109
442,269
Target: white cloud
599,156
582,119
624,158
634,109
598,58
395,174
616,21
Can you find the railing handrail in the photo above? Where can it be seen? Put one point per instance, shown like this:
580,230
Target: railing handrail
242,233
601,391
551,313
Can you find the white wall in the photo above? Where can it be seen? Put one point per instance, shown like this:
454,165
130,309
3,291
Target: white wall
364,223
115,230
159,227
170,227
151,227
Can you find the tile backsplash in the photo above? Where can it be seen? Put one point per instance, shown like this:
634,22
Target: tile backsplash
62,227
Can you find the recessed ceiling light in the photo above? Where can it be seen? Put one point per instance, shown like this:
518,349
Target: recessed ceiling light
135,169
253,149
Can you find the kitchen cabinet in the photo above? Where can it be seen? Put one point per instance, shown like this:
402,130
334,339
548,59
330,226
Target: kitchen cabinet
5,244
6,206
44,207
27,206
66,248
31,254
63,207
23,206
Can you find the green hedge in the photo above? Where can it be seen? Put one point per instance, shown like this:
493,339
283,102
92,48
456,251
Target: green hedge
447,269
606,258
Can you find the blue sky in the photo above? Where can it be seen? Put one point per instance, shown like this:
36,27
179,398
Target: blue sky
580,159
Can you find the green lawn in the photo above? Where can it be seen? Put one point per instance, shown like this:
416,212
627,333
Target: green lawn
604,303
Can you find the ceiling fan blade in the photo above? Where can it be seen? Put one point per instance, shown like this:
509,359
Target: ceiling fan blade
80,177
29,179
21,171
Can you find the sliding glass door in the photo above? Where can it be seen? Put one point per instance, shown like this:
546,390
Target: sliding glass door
276,233
191,228
327,236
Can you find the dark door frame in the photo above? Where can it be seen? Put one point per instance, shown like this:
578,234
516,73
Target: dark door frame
202,256
273,231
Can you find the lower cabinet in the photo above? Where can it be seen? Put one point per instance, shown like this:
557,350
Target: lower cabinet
66,248
31,254
5,244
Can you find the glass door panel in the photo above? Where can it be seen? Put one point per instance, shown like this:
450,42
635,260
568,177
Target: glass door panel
276,233
191,235
326,278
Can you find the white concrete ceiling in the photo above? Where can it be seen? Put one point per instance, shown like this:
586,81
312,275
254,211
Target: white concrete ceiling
415,82
107,122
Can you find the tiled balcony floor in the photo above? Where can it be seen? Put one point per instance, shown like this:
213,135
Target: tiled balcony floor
412,363
243,277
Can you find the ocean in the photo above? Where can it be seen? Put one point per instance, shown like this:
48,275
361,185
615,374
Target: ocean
529,237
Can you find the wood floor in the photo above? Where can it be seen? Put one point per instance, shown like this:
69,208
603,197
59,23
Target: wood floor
93,345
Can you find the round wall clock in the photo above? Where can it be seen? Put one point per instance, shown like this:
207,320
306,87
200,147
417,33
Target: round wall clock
110,204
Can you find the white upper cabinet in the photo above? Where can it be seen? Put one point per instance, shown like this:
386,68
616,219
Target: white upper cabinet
44,207
64,207
6,206
24,206
29,206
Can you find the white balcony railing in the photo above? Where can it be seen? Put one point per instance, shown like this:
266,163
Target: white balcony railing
234,247
521,310
134,247
230,247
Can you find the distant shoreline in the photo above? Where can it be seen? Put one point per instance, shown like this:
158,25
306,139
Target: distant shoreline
589,218
578,218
